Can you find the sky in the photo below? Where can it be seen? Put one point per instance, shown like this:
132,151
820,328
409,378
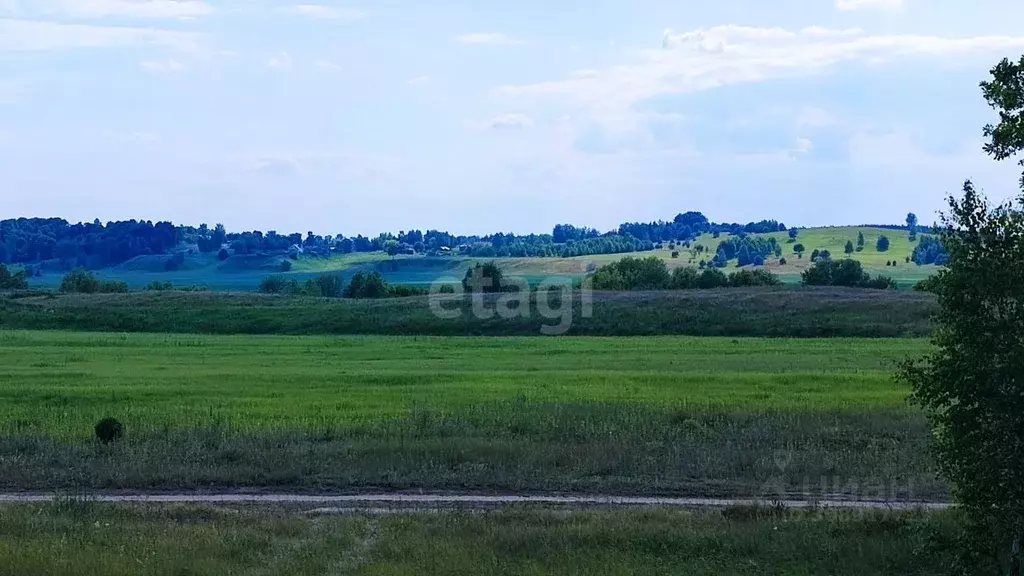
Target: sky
476,116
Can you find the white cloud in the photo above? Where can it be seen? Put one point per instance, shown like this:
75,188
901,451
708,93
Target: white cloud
325,12
827,32
726,55
167,66
327,65
510,122
150,9
420,81
32,36
489,38
851,5
282,61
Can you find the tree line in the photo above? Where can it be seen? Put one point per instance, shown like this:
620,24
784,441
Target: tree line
96,245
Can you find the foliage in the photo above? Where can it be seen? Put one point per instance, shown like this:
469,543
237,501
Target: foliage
113,287
285,266
971,385
929,250
278,285
16,281
486,278
80,282
850,273
793,233
632,273
912,226
93,245
223,254
712,278
758,277
746,250
882,245
929,284
799,249
860,240
685,278
109,430
849,247
367,285
1005,93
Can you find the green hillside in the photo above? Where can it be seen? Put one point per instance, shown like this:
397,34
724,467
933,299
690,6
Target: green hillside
243,273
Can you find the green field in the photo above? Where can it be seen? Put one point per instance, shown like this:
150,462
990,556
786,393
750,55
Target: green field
628,415
778,312
244,273
78,539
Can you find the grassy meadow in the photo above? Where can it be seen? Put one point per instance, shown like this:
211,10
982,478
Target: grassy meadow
776,312
656,415
82,539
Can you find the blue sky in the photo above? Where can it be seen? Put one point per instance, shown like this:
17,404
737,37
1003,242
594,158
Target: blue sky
475,116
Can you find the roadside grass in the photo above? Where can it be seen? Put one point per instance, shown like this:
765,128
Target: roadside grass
776,312
93,539
660,415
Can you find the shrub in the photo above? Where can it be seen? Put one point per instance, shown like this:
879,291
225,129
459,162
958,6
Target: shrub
929,284
843,273
815,254
406,291
675,254
223,254
712,278
285,266
16,281
80,282
113,287
159,286
109,430
882,245
782,261
633,274
489,277
367,285
278,285
753,278
685,279
329,285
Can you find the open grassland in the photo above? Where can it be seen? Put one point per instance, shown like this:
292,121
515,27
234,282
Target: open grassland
244,273
797,312
81,539
668,415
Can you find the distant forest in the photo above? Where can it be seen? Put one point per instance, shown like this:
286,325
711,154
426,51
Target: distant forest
95,245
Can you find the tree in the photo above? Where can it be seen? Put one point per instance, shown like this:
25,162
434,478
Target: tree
799,249
971,385
912,226
814,254
80,282
860,241
223,254
826,272
486,278
793,233
16,281
849,247
882,245
1005,94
